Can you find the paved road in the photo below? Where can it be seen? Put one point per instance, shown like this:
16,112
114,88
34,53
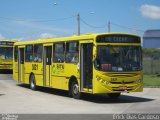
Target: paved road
16,98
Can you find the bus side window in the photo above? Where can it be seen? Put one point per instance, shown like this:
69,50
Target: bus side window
29,53
72,52
58,52
37,53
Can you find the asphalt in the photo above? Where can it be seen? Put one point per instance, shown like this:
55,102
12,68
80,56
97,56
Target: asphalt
18,98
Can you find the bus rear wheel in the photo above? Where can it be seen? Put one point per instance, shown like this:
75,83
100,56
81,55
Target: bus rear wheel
114,95
32,82
75,90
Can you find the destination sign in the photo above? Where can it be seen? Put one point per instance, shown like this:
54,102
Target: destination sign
6,43
118,39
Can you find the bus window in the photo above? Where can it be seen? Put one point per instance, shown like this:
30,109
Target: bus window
9,53
29,53
58,52
72,52
6,53
38,53
2,53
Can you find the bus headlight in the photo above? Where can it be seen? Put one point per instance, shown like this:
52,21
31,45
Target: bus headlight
138,81
107,82
104,82
98,78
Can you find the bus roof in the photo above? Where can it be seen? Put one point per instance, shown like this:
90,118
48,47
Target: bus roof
70,38
8,40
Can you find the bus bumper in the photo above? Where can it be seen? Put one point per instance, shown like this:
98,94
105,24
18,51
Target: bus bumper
6,67
127,83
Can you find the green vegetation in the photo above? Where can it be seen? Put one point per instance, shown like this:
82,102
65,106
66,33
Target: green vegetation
152,52
151,67
151,80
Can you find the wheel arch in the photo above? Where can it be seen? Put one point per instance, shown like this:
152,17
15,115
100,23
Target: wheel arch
72,79
30,76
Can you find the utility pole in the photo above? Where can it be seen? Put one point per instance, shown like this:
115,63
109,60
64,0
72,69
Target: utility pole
78,21
109,26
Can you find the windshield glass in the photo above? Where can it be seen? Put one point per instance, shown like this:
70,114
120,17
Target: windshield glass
118,58
6,53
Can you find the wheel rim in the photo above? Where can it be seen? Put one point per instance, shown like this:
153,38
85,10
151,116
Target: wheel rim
75,89
32,82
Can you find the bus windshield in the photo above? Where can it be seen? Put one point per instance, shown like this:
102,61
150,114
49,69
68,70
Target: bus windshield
6,53
118,58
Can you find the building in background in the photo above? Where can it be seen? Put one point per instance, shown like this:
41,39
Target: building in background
151,39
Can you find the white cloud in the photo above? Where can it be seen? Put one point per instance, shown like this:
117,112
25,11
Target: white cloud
39,36
150,11
2,37
47,35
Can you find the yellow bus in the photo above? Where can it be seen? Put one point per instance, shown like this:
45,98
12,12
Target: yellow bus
91,63
6,54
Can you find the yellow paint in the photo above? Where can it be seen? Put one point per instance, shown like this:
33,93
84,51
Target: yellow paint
60,73
48,75
6,64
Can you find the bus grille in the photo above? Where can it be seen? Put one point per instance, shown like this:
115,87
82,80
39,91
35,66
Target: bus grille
123,82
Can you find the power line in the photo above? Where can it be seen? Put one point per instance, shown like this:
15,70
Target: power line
73,16
125,27
109,26
92,25
51,20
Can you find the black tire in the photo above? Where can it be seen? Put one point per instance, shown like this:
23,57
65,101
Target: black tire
32,82
75,90
114,95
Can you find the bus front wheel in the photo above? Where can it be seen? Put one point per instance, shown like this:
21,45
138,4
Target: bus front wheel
75,90
114,95
32,82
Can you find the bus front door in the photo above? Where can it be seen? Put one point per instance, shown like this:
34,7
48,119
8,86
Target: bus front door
21,65
47,65
86,65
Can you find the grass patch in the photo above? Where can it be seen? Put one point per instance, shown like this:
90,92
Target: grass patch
151,80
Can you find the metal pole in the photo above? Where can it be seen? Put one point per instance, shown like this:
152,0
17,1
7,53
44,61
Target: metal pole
78,21
109,26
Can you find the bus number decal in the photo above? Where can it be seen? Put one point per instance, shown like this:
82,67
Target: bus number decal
34,66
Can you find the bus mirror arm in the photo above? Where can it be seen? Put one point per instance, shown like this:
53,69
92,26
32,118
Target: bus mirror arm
94,53
94,57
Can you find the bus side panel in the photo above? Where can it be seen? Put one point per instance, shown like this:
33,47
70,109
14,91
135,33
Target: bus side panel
37,70
39,80
28,70
15,71
58,77
61,74
57,82
71,69
26,78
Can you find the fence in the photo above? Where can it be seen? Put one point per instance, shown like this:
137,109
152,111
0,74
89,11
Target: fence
151,65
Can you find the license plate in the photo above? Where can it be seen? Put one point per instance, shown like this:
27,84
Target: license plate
4,67
123,88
